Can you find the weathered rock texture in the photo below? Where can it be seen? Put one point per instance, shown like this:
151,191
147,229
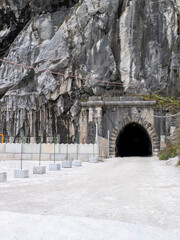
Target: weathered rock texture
132,43
15,14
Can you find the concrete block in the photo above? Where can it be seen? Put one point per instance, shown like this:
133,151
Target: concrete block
35,157
47,148
54,167
13,148
3,177
93,160
63,148
72,148
25,156
39,169
58,157
16,156
67,164
84,157
72,156
77,163
31,148
2,147
5,156
88,148
44,157
21,173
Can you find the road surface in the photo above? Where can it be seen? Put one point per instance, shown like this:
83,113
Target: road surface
139,194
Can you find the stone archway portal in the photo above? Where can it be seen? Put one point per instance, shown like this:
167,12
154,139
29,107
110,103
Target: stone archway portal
133,140
133,137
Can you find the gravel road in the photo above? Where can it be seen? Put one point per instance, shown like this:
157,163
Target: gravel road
132,190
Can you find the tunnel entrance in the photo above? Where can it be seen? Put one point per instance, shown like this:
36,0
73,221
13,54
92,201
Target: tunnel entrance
133,140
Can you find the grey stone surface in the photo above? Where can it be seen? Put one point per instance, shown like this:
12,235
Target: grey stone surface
156,152
14,15
93,159
67,164
3,177
39,169
132,43
54,167
77,163
115,46
21,173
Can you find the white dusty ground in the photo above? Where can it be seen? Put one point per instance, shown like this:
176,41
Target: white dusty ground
119,199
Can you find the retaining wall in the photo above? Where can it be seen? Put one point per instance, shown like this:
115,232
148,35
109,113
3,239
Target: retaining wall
12,151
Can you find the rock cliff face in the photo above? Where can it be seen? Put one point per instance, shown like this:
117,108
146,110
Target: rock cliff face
110,47
14,15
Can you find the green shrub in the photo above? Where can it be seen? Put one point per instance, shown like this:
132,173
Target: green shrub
168,152
173,149
163,156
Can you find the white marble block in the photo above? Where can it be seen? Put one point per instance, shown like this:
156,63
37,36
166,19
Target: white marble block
21,173
67,164
3,177
77,163
54,167
93,160
39,169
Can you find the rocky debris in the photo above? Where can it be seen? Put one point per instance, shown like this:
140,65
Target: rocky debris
172,161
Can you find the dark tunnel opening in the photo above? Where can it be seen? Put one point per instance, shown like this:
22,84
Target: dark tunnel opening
133,140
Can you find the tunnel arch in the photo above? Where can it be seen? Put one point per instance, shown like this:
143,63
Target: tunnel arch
133,140
143,125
